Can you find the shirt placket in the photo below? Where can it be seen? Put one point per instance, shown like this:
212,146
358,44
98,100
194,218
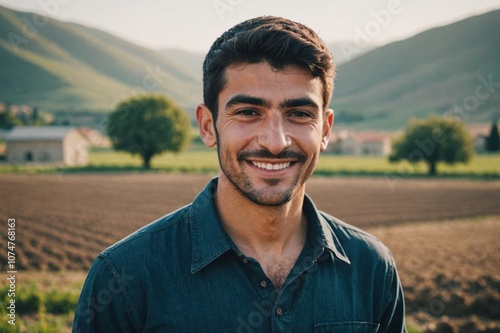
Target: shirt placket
264,306
282,314
274,304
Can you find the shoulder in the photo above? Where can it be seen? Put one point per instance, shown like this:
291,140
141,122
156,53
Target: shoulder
115,281
357,243
154,235
369,259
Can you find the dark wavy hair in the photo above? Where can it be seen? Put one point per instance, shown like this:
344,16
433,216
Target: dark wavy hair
276,40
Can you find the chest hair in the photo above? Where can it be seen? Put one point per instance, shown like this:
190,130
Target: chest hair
277,272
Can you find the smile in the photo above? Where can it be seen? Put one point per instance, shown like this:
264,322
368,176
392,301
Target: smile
271,166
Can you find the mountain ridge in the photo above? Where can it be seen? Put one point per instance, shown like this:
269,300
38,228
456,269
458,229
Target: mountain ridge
67,66
91,69
435,71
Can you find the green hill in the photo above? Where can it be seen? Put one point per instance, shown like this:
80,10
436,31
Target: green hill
65,66
192,61
61,66
432,72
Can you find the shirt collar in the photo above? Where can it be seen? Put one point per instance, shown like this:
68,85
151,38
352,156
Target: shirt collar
321,233
209,239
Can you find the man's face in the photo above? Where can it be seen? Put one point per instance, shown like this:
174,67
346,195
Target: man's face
270,130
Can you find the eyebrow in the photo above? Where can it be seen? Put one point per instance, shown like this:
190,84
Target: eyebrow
295,102
246,99
257,101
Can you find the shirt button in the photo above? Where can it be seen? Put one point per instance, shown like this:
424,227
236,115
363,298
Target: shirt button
279,310
245,260
263,284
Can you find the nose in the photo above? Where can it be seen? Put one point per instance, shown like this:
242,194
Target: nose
273,134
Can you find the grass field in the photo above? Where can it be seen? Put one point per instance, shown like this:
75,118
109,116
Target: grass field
200,160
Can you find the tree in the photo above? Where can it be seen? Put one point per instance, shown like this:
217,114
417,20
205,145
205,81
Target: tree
36,117
493,140
148,125
433,140
7,120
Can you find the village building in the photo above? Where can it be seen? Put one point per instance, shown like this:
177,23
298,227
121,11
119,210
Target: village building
361,143
479,134
49,144
95,137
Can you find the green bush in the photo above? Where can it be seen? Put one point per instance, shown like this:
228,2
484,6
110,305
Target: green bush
8,328
51,325
61,302
28,299
4,290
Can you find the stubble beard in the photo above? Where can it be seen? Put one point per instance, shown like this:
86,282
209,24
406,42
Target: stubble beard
271,196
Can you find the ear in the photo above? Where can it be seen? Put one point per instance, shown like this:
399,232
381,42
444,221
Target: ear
206,125
327,127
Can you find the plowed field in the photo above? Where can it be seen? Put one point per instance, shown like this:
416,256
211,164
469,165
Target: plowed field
450,270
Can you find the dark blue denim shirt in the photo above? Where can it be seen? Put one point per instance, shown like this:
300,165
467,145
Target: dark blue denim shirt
183,273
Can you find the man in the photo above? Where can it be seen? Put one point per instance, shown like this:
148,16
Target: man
252,253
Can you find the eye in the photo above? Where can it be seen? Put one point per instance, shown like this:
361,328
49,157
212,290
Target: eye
247,112
300,114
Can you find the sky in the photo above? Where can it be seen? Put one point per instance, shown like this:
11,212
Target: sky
194,25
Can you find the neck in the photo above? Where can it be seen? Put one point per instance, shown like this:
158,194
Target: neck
259,230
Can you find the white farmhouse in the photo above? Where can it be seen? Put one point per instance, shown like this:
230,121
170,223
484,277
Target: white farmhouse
49,144
364,143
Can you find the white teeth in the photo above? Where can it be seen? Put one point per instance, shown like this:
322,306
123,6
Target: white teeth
269,166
